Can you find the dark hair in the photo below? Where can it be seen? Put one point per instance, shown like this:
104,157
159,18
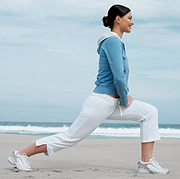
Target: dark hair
115,10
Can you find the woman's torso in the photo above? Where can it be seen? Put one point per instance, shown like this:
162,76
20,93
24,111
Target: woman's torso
105,79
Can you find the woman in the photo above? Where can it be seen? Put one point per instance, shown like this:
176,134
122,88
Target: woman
109,100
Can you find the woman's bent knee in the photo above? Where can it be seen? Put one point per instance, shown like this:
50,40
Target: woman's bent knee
153,111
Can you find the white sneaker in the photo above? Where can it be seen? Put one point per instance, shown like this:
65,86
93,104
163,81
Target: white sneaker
20,161
151,167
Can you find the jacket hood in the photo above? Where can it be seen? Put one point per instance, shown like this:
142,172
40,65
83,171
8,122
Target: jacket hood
104,37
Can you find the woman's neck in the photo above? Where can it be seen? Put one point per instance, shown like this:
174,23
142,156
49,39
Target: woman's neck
118,32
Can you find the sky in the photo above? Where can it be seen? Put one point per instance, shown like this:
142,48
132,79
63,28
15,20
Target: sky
49,62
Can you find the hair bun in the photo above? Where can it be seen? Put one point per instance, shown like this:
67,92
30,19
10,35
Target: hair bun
105,21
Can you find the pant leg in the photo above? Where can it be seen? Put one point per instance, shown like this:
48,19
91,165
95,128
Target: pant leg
141,112
95,110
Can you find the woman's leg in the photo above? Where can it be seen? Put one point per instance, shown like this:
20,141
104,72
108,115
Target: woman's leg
33,149
146,151
95,110
147,115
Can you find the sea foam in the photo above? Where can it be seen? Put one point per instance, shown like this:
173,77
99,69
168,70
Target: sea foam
132,132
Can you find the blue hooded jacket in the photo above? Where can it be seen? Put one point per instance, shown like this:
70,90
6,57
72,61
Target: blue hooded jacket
113,70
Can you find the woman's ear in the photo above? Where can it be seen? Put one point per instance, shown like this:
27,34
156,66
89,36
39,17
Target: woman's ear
118,19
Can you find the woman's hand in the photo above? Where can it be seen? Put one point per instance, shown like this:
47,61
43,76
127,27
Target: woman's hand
130,100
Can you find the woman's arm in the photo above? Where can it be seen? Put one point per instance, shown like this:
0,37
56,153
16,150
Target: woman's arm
114,51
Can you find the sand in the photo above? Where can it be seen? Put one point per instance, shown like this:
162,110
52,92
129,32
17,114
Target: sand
90,159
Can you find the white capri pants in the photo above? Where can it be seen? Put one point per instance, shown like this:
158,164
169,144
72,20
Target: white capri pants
95,110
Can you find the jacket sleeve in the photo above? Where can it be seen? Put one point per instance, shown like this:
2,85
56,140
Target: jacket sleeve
113,50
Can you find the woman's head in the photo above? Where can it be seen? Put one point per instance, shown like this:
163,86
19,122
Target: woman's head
116,13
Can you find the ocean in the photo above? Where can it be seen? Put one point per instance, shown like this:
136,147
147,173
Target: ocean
105,130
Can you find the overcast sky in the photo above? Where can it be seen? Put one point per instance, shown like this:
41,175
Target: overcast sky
49,63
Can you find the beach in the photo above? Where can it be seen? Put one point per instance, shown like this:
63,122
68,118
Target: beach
91,158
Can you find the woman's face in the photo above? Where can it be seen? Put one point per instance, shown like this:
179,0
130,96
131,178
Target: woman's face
126,23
